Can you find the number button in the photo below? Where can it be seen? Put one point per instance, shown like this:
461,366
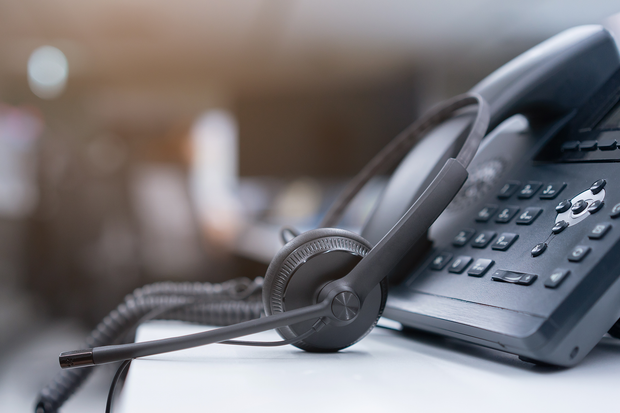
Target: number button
459,264
463,237
599,230
506,214
579,253
480,267
504,241
483,239
486,213
556,278
508,189
440,261
529,215
550,191
529,190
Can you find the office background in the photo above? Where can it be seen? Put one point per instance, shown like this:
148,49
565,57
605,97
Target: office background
144,140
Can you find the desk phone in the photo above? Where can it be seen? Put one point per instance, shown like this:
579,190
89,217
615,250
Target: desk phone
526,258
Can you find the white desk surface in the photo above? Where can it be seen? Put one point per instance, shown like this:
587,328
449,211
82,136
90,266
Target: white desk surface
385,372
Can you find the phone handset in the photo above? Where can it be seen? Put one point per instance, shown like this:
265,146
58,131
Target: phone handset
549,80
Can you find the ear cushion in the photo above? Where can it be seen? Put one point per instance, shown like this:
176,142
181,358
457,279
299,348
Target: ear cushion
302,268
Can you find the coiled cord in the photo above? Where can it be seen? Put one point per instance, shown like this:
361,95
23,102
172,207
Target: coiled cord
222,304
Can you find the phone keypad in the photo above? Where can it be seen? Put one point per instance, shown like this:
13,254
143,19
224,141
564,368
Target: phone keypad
525,215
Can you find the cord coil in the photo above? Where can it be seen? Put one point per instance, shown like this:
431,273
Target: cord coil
222,304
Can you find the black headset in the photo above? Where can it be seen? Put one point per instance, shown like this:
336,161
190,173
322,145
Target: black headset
326,288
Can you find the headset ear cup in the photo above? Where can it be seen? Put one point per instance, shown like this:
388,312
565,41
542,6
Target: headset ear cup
302,268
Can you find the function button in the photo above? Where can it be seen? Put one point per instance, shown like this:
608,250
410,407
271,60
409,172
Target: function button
504,241
579,206
556,278
563,206
579,253
595,206
486,213
440,261
588,145
559,227
615,211
570,146
480,267
506,214
483,239
459,264
529,189
529,215
463,237
598,186
550,191
607,144
538,249
508,189
513,277
599,230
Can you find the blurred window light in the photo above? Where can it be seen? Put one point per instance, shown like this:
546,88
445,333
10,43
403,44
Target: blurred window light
214,177
19,130
48,70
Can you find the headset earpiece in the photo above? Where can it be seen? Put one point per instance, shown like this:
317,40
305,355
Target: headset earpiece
301,269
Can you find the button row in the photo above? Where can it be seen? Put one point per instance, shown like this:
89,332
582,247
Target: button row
590,145
480,267
528,190
507,213
483,239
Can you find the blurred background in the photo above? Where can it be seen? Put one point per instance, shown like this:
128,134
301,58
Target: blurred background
149,140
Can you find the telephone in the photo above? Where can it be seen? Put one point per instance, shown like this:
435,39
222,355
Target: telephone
525,258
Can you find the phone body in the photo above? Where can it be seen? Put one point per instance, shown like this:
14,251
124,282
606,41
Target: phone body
497,270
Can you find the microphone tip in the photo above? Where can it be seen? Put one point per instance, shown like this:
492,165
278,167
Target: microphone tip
76,358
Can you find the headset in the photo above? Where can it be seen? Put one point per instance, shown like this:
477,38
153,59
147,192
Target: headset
326,288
